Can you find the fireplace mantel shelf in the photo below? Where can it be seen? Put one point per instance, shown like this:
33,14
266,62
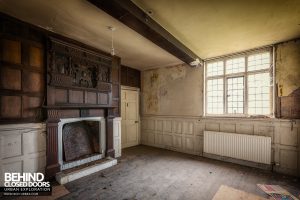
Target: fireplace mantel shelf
78,106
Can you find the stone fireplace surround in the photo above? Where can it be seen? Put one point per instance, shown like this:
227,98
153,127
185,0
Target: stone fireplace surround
102,146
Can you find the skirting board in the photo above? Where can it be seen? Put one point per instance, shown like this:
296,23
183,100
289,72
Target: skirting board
237,161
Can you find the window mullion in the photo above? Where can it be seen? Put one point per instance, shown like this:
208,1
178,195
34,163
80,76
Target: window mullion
246,87
224,89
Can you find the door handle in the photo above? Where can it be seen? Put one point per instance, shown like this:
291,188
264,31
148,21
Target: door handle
136,122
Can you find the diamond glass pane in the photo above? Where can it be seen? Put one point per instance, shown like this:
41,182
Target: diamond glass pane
215,69
215,96
259,94
259,61
235,65
235,95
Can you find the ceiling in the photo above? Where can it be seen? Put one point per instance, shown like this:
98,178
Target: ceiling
80,20
208,27
216,27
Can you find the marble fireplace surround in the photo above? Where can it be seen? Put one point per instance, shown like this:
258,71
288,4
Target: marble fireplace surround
102,138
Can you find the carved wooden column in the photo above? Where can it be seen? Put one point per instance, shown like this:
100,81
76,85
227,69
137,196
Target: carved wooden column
52,150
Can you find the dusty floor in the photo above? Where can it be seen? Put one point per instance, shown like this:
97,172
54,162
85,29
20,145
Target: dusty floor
150,173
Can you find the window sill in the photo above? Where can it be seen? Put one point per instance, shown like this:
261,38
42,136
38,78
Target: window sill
241,116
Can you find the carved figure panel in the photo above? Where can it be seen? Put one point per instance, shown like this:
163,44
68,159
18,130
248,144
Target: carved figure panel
73,66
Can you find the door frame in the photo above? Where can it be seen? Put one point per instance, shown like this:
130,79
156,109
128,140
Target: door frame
123,87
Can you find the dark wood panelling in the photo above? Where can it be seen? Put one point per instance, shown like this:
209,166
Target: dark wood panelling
91,97
61,96
103,98
85,75
81,81
22,81
115,90
11,51
76,96
33,82
11,106
10,78
36,57
130,77
31,106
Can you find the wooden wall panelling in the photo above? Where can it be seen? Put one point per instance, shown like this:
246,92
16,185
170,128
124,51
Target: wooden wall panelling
130,77
77,75
21,72
85,75
116,86
83,80
133,77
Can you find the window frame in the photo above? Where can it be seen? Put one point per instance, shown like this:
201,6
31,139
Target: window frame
244,74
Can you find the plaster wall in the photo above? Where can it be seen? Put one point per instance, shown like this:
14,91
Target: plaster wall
175,90
288,67
172,105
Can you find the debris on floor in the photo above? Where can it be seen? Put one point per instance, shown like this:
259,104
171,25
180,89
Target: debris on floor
276,192
226,192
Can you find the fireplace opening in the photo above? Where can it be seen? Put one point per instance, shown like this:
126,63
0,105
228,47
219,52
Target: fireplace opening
80,140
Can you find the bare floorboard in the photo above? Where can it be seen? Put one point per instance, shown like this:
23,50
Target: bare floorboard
151,173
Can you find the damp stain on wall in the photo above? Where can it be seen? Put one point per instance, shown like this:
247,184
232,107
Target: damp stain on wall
288,67
172,90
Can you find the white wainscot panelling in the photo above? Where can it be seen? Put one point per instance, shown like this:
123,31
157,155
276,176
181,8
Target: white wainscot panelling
263,130
11,144
189,144
188,128
185,134
177,126
245,129
168,140
211,126
117,124
168,126
159,125
159,140
288,159
151,124
227,127
288,136
177,142
151,138
23,148
200,126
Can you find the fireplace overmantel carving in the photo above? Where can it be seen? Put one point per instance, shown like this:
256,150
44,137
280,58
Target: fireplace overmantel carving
75,67
80,83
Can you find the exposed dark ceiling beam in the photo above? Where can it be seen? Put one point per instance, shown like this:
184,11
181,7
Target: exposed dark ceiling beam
135,18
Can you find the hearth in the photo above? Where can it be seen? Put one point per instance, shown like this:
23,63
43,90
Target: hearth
80,141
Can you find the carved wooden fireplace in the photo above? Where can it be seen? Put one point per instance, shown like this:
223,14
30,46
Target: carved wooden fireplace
83,88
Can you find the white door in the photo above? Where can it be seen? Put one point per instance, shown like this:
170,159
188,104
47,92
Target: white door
130,117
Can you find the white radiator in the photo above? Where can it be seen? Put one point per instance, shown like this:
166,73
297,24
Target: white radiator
244,147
